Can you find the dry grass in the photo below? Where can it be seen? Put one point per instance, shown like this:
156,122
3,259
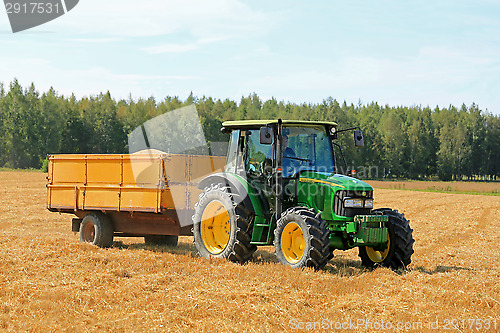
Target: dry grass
50,282
490,188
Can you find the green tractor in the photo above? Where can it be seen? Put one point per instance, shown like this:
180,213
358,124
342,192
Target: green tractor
281,186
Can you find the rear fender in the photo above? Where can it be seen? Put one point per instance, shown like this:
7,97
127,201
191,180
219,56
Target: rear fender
248,196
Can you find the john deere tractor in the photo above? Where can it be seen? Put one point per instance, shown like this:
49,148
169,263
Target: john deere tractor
282,187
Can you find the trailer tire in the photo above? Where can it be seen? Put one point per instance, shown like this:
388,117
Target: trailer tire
398,254
221,226
162,240
96,229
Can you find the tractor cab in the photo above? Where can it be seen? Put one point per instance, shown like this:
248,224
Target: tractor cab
303,147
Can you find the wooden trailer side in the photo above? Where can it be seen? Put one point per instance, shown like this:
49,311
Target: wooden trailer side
105,182
142,194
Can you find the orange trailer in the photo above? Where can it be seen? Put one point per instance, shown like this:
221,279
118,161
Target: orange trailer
146,194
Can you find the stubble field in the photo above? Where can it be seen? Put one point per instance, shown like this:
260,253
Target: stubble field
486,188
51,282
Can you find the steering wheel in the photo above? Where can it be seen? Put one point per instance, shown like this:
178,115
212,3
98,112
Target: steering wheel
297,158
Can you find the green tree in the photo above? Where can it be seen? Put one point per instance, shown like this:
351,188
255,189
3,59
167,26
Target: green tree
53,118
491,145
3,117
394,141
421,144
410,142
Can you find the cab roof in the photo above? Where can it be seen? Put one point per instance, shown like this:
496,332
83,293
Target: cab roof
238,124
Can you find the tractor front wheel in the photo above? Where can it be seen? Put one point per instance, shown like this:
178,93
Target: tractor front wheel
399,248
221,227
301,239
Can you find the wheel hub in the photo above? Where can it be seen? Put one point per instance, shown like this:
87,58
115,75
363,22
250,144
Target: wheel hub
378,255
215,227
89,233
292,242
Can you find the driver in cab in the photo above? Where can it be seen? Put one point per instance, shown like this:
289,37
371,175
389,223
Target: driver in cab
288,164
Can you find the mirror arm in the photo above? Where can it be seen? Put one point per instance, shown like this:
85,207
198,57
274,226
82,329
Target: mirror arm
342,154
347,129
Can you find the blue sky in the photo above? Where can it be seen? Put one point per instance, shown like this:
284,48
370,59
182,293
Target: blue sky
391,52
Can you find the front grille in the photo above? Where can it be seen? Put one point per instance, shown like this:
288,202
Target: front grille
338,206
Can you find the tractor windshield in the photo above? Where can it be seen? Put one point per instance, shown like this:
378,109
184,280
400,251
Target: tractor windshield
306,148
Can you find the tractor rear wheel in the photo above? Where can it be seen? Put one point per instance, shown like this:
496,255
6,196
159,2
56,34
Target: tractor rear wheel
221,226
399,247
160,240
96,229
301,239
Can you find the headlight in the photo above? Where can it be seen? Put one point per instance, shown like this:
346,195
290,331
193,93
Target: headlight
353,203
369,203
358,203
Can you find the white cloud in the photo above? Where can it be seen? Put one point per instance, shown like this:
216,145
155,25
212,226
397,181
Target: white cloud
436,75
203,19
94,40
171,48
180,48
90,81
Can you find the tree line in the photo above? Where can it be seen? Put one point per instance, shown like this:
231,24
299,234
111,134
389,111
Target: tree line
409,142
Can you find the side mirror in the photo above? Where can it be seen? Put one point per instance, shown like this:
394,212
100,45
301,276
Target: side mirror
266,135
359,141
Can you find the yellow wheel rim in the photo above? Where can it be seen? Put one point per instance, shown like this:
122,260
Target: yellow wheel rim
292,242
215,227
378,256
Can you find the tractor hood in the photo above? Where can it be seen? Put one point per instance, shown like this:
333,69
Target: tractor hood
325,193
350,183
340,182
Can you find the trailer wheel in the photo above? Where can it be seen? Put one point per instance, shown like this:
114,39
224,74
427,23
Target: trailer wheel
96,229
399,247
221,227
162,240
301,239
